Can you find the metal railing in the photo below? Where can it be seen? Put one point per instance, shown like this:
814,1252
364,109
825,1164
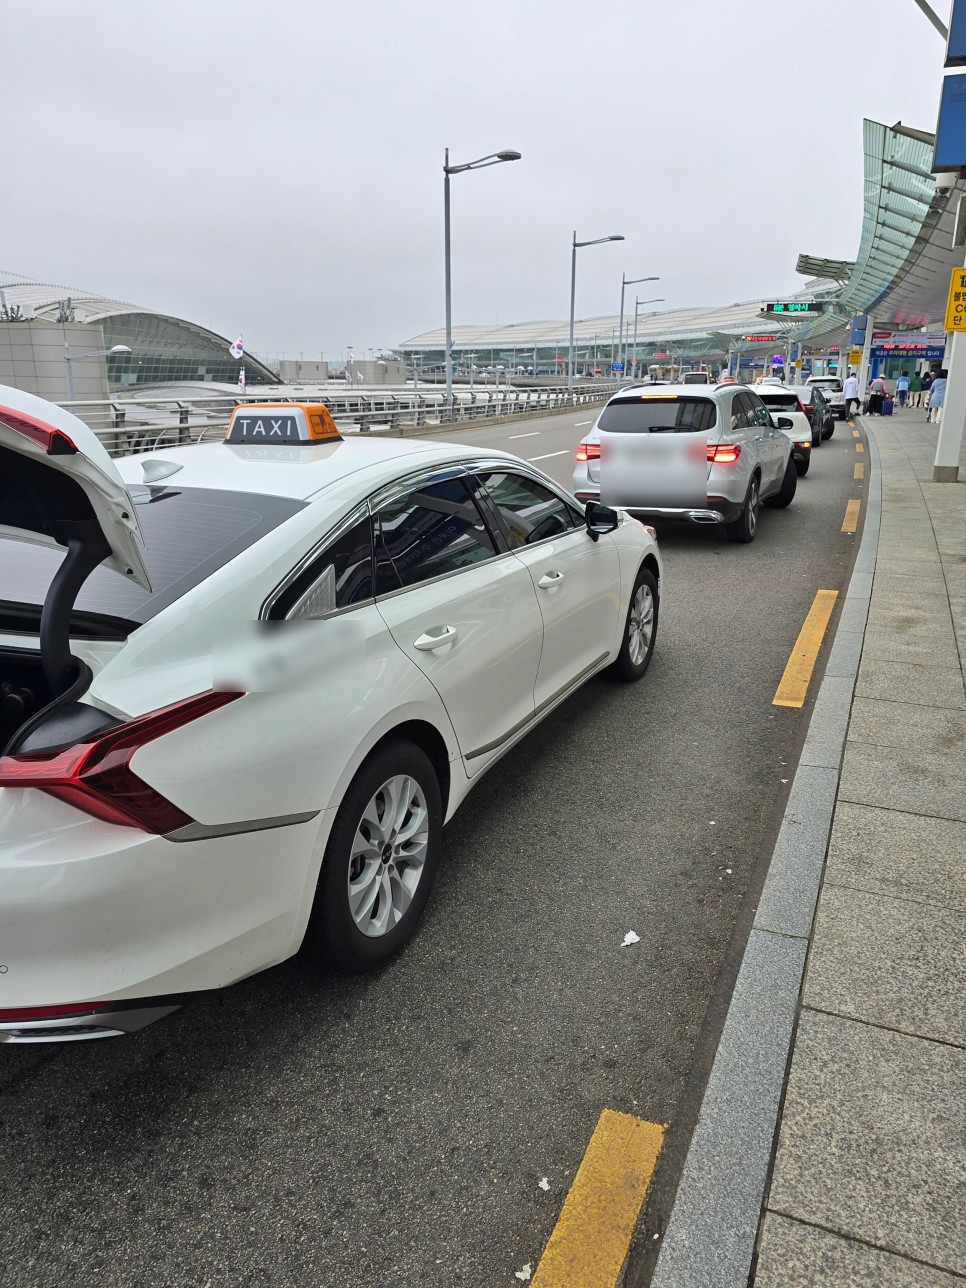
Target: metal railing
130,426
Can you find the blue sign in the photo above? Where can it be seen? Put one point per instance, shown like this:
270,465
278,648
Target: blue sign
860,324
951,130
956,42
931,352
617,366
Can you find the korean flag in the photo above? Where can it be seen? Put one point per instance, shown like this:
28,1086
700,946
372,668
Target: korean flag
237,350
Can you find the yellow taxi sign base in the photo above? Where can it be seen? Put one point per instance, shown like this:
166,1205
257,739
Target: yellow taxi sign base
282,424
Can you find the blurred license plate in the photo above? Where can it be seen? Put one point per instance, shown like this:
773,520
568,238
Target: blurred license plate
654,471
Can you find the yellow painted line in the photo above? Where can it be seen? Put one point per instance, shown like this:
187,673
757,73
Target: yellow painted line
859,471
856,434
594,1229
860,447
794,683
851,520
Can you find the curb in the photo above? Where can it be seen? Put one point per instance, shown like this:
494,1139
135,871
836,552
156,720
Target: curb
711,1236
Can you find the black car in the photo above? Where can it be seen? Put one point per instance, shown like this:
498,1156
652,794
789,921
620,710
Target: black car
818,409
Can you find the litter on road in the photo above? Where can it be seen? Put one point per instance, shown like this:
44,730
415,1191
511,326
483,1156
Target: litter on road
630,938
523,1274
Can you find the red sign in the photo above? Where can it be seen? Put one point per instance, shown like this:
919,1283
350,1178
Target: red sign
770,339
662,355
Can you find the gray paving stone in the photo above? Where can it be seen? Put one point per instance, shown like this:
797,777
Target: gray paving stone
895,569
929,686
908,855
891,962
843,660
918,783
888,723
710,1239
827,728
793,1255
873,1139
853,614
787,903
937,649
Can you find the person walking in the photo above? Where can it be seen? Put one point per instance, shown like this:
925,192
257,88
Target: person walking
915,390
877,391
902,389
937,396
851,392
927,380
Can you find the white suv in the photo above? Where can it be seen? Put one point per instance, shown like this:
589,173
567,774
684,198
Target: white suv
701,455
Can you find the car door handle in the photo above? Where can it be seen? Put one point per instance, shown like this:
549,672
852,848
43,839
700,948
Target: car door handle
436,637
550,580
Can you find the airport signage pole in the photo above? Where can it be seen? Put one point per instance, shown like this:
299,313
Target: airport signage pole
575,246
494,158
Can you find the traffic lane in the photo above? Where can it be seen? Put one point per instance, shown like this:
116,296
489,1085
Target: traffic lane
393,1129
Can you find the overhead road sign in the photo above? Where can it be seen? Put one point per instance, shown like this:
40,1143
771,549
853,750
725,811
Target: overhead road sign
950,154
760,339
956,299
795,308
956,40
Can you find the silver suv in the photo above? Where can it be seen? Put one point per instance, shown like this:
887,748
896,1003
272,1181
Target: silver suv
680,452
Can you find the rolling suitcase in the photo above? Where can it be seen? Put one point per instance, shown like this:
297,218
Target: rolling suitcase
887,406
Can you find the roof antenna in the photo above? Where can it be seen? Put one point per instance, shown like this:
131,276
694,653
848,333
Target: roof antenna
155,471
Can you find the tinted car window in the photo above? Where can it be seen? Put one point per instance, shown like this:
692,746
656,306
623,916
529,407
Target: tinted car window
340,577
740,413
530,511
189,533
656,413
430,531
777,403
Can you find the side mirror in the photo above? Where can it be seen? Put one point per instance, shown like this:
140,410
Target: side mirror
600,518
784,422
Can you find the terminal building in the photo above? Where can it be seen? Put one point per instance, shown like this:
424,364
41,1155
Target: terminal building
46,329
898,279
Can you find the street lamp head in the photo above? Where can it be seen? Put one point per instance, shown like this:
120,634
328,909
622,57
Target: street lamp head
616,237
120,348
509,156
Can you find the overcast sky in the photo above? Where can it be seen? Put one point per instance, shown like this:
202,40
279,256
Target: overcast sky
275,168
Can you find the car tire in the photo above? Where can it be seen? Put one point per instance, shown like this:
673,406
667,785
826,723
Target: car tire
801,467
640,630
816,438
829,431
786,493
743,529
394,795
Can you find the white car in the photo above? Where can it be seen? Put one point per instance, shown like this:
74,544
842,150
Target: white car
247,730
834,391
680,453
787,404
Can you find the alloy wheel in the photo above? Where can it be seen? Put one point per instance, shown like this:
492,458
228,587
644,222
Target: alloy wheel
388,856
640,624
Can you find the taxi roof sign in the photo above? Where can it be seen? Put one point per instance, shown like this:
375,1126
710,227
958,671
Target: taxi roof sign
282,424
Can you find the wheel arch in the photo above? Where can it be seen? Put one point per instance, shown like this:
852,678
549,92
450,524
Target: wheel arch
429,740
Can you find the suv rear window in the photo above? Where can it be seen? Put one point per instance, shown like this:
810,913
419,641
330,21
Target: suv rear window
188,535
779,402
654,414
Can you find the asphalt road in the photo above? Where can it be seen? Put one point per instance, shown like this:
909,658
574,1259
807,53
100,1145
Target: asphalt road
302,1129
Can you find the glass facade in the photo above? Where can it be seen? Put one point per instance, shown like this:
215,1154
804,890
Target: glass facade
165,350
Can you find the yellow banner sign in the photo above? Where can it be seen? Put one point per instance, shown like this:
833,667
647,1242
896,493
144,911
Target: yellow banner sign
855,357
956,301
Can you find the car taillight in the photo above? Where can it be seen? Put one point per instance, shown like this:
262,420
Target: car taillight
95,774
723,453
54,441
587,452
804,446
51,1012
802,408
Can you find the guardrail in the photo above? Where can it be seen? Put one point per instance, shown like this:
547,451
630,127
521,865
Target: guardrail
130,426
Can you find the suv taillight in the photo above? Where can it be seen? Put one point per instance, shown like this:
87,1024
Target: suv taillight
95,774
587,452
723,453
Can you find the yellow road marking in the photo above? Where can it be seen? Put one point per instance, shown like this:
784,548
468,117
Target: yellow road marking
794,683
859,471
851,520
856,434
860,447
594,1229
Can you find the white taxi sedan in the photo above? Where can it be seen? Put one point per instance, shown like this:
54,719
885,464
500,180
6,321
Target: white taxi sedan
244,684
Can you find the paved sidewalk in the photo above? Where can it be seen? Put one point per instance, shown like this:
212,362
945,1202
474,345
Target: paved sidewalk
867,1186
869,1179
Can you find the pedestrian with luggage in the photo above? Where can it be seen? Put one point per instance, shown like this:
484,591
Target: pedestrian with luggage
877,391
902,389
915,390
937,397
850,390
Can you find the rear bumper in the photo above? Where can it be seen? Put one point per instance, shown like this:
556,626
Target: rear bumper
83,1022
718,510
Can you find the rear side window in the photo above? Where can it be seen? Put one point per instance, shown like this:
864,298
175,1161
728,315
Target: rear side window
188,533
340,577
653,414
428,532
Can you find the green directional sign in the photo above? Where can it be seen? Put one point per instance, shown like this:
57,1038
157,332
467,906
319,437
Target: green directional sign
799,308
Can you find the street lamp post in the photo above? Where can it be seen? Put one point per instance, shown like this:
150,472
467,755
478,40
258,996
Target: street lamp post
625,282
494,158
82,357
637,306
575,246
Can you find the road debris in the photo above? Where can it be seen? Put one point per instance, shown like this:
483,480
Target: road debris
544,1183
630,938
523,1274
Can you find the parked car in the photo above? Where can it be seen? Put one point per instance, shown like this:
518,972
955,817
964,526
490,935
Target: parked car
833,389
819,410
706,457
248,729
696,378
787,404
